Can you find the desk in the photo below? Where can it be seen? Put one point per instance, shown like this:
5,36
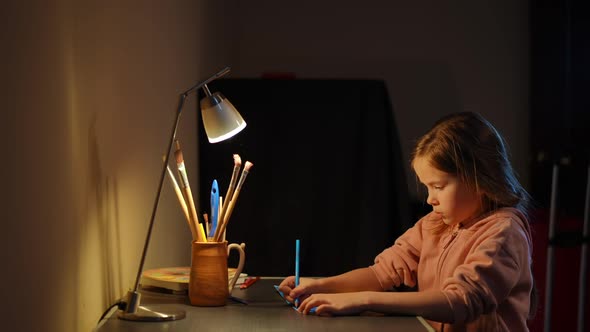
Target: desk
266,311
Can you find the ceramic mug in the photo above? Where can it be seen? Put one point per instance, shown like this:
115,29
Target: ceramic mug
208,284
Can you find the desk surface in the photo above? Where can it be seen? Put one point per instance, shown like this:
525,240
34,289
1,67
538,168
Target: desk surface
266,311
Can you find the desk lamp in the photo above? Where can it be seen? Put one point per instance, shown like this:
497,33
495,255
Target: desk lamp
221,121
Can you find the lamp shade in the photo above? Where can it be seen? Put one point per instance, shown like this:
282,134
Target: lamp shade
220,118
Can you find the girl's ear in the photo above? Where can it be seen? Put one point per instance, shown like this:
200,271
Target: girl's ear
481,193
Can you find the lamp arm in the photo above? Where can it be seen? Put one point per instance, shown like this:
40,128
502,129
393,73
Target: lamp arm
197,86
183,97
160,184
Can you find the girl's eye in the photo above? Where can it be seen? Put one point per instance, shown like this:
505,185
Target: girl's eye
438,187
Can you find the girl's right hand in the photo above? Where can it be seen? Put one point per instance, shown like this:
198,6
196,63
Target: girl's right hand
306,288
286,286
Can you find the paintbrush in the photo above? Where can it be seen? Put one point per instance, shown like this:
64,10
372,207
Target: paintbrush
230,189
188,193
182,203
232,203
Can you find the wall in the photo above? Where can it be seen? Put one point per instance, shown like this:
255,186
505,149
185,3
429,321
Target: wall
437,57
89,90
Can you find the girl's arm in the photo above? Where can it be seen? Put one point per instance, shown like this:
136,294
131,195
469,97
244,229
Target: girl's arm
358,280
362,279
432,304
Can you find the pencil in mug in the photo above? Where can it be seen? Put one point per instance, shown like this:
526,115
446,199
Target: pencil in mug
188,193
220,208
202,233
221,228
206,218
182,203
230,189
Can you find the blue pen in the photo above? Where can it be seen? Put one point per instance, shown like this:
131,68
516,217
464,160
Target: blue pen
214,207
296,268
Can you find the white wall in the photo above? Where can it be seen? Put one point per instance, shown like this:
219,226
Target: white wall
89,90
437,57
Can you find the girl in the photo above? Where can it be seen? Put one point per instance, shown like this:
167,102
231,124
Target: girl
469,259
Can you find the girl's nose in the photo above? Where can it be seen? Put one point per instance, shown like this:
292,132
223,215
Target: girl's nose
431,200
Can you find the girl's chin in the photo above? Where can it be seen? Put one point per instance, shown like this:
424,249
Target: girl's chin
448,222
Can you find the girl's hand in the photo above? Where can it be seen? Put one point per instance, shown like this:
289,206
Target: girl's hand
286,286
335,304
305,288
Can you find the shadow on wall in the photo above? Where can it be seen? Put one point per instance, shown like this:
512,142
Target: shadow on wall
103,191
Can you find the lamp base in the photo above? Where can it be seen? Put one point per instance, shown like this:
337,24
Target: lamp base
146,314
134,312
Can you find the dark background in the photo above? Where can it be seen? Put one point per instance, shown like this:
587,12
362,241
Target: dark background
327,170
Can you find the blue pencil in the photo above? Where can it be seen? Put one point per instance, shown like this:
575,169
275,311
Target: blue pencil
214,207
296,268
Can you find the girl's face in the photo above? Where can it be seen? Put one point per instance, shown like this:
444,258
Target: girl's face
449,197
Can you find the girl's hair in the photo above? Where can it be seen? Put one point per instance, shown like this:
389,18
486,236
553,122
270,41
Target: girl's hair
468,146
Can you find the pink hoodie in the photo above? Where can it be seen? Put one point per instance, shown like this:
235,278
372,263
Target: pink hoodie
482,267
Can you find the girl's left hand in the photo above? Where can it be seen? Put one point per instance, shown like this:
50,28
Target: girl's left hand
334,304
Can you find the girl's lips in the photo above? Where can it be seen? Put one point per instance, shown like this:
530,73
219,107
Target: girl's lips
438,215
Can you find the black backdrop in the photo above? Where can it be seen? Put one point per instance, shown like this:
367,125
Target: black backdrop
327,170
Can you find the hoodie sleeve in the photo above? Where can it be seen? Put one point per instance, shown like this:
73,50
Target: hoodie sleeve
492,270
398,264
